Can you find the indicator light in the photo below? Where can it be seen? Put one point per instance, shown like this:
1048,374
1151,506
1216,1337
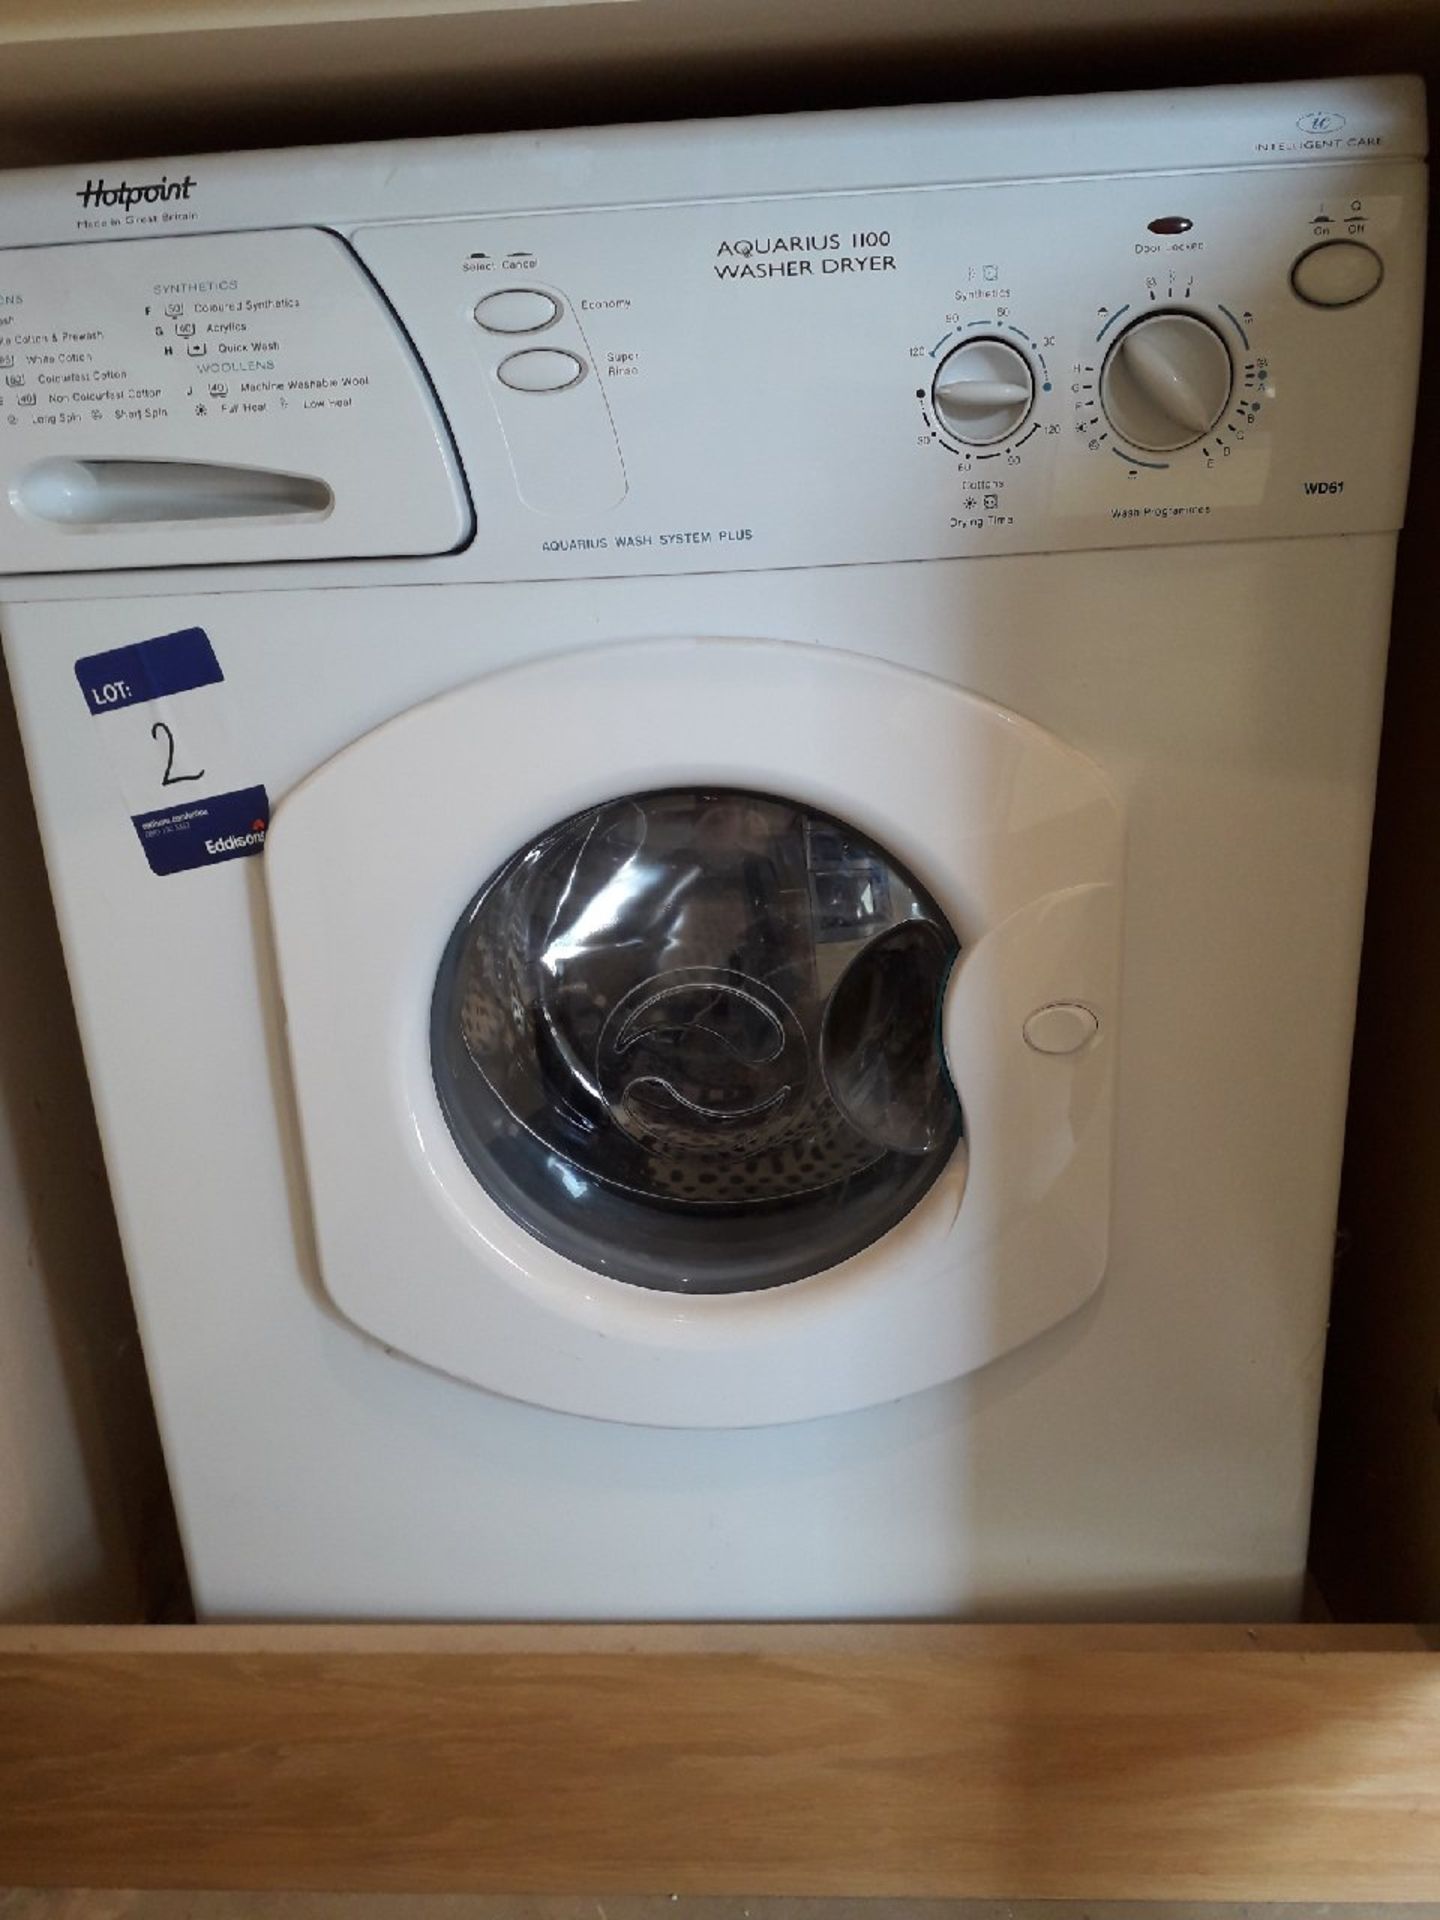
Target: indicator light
1171,223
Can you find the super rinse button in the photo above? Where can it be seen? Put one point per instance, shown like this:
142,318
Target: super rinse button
518,310
541,370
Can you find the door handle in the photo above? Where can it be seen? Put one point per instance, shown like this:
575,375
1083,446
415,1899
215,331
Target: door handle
116,493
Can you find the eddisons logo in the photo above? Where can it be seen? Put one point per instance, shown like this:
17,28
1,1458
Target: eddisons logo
233,842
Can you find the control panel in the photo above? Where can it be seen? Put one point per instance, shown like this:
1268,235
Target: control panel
240,396
913,374
838,378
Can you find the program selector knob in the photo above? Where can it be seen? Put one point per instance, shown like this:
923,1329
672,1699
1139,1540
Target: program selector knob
1166,382
983,391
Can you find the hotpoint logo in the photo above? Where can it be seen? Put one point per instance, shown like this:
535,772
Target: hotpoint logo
100,193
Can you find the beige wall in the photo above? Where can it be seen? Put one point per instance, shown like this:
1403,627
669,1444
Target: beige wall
102,79
1377,1514
80,1484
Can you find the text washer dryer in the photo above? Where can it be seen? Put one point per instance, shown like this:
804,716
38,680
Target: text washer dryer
819,680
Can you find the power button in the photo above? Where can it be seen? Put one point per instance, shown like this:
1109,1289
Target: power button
1337,273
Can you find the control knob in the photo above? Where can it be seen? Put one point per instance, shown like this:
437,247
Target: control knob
983,391
1166,381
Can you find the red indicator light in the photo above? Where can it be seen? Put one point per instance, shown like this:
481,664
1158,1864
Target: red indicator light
1172,223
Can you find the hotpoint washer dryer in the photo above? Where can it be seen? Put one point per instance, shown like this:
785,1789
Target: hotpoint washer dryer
784,1052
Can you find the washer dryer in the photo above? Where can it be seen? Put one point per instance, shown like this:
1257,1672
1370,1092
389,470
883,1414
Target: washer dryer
784,1050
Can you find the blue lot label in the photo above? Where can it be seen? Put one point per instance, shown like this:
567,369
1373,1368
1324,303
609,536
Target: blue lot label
126,676
161,704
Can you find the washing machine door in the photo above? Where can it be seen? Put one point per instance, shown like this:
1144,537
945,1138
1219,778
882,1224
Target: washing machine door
691,1039
703,1032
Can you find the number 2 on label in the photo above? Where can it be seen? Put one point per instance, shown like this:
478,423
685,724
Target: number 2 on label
170,778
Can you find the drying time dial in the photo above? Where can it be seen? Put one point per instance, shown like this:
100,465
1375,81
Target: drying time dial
983,391
987,396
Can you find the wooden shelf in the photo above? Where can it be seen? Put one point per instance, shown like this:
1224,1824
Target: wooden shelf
1195,1763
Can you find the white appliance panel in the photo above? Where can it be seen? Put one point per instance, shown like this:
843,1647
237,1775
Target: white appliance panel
663,456
1149,1458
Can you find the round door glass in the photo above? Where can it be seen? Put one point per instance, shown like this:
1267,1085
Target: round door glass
691,1039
